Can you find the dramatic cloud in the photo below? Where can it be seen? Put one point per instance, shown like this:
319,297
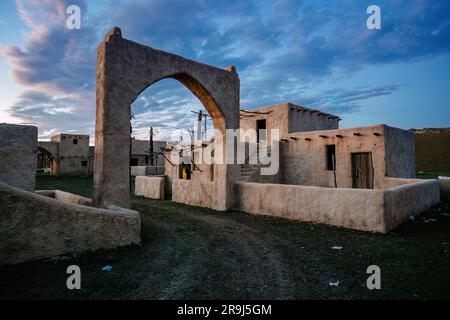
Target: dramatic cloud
284,51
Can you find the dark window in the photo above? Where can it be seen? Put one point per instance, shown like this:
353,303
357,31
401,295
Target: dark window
260,129
75,141
134,162
84,163
331,157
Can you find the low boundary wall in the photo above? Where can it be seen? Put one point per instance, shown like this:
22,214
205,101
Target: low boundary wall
35,226
193,193
376,210
150,187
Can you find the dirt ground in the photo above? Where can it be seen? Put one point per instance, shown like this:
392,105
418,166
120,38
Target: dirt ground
194,253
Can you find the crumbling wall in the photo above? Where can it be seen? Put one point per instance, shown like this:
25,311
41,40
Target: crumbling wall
18,155
34,226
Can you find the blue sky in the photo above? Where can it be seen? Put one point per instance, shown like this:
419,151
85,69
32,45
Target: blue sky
313,52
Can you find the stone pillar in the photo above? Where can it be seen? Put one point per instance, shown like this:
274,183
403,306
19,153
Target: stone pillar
112,128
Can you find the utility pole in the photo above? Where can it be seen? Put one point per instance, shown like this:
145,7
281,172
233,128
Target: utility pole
199,125
151,150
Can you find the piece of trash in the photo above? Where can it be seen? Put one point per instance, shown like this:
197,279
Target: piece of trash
107,268
334,284
337,248
433,220
412,218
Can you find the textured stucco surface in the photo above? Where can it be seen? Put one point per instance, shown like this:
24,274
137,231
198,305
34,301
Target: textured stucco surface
288,117
18,152
408,199
400,149
150,187
377,210
34,226
124,70
189,192
303,162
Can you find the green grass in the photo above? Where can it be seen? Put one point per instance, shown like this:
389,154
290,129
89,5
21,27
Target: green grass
195,253
432,175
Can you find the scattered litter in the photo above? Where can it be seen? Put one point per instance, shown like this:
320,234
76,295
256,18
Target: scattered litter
334,284
337,248
107,268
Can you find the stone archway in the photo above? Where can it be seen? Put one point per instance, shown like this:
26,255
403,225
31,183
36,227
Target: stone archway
49,151
124,70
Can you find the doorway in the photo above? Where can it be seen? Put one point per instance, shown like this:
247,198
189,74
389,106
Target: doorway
362,170
260,130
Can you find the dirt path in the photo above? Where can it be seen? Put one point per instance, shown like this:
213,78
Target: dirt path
206,256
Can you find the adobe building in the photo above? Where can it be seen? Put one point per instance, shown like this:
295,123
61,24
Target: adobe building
70,155
361,178
140,153
66,154
287,118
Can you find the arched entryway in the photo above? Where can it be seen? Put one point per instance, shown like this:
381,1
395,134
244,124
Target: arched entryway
46,160
124,70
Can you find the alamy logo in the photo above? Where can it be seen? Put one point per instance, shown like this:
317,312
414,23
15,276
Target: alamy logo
374,20
374,281
74,280
73,21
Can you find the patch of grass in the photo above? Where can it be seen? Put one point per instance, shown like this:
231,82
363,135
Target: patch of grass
432,175
196,253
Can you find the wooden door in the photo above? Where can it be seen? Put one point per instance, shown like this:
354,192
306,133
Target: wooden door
362,170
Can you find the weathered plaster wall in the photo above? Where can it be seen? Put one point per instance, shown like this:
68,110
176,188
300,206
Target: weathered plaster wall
288,117
150,187
72,156
192,193
303,161
302,119
18,152
66,197
406,200
276,118
360,209
400,151
378,210
124,70
34,226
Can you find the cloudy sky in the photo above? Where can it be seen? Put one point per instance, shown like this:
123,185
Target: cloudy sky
315,53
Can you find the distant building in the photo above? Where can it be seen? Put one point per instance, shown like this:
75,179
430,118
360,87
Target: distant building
66,154
70,154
